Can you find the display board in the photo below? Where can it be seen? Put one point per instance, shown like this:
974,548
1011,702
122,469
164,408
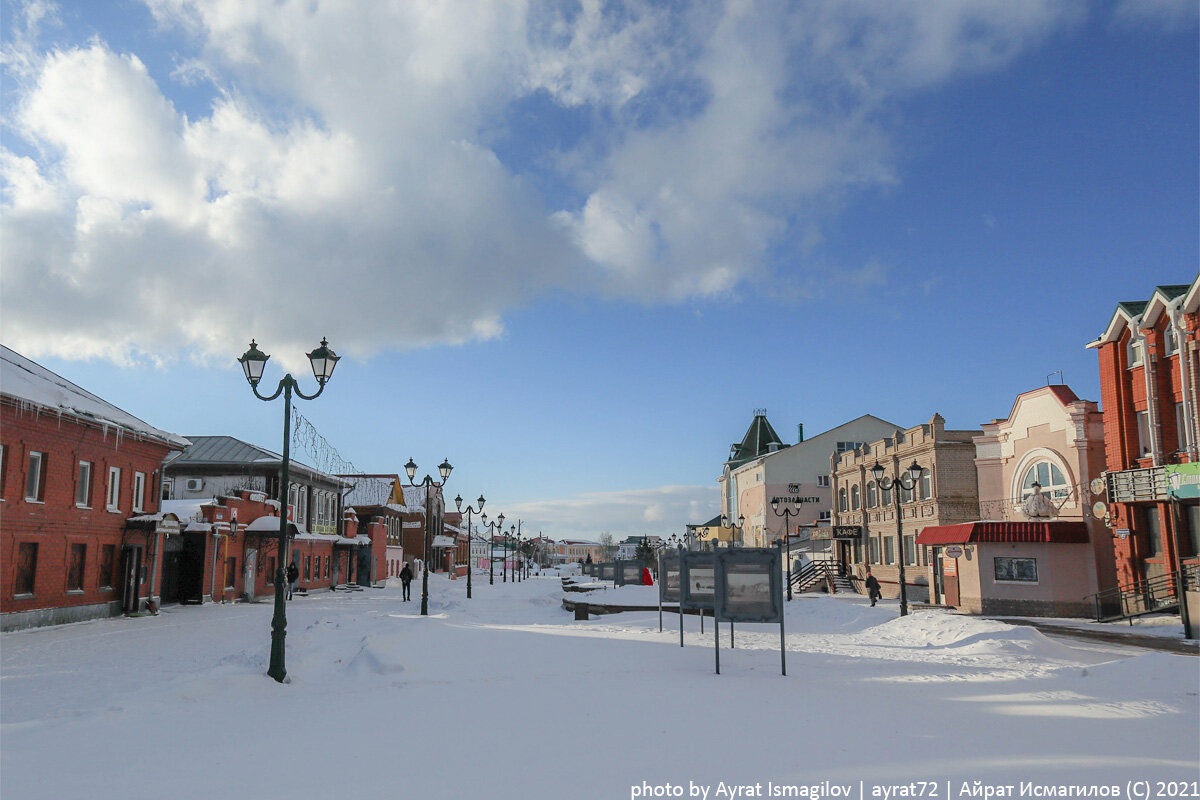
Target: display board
697,580
589,568
748,585
668,575
629,573
605,570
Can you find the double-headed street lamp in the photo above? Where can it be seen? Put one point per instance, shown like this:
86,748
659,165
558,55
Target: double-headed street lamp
253,362
470,536
741,523
492,528
787,514
894,485
411,468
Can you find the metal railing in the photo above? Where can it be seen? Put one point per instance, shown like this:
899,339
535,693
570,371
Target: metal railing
811,575
1147,596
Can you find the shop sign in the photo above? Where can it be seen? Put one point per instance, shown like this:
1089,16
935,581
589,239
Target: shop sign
1183,480
840,532
949,566
953,551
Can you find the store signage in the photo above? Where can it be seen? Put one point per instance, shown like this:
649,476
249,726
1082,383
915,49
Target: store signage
953,551
841,532
1183,480
796,499
949,566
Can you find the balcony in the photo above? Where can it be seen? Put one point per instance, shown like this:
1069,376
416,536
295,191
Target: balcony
1137,485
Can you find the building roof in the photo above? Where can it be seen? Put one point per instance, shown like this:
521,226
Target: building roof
1049,532
227,451
757,441
29,383
369,490
1130,311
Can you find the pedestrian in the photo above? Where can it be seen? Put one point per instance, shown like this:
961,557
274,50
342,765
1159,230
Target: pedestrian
406,576
293,575
872,584
647,580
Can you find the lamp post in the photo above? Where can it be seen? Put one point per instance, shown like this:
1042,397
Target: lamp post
894,485
519,564
787,514
444,469
725,524
470,511
1174,483
253,362
492,528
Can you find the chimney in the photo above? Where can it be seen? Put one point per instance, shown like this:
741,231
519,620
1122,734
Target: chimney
799,432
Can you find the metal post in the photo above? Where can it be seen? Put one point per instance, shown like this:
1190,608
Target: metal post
716,638
1180,574
897,485
782,637
491,554
468,550
277,669
787,565
425,565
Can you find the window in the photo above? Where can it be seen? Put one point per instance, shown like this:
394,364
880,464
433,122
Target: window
823,480
874,550
271,569
75,570
824,516
906,494
889,550
872,495
926,484
230,572
910,550
842,447
114,488
1023,570
1192,516
1133,351
83,485
139,490
26,567
1153,530
1049,477
3,468
1143,423
854,499
108,558
841,499
307,567
326,566
35,477
1181,428
168,488
1170,340
887,496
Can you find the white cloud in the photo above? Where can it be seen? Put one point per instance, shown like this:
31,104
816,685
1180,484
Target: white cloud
345,181
663,511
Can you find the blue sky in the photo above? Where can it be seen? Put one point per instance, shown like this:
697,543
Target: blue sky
573,250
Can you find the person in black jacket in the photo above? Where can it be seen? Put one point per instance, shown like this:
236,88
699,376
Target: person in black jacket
872,585
406,576
293,575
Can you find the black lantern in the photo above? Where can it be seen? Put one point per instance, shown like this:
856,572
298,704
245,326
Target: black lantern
253,362
323,361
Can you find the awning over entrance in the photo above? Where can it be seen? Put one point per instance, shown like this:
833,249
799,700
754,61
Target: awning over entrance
1049,532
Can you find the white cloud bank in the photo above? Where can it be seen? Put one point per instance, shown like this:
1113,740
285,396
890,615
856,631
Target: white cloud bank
660,511
347,180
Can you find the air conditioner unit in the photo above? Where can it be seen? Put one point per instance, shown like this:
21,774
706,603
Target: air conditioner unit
194,484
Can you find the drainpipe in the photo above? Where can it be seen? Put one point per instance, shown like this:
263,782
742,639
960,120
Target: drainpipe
212,589
1187,381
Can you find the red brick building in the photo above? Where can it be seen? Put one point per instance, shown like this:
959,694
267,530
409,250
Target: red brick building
1149,358
80,528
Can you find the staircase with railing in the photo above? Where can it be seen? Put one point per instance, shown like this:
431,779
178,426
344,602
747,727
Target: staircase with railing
811,575
1149,596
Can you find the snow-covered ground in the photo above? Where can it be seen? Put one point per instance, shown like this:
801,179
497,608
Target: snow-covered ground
507,696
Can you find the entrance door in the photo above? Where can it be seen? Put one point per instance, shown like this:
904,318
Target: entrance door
172,553
131,577
191,568
950,579
364,566
939,578
251,570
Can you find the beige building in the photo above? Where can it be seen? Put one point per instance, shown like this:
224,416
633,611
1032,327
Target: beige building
864,516
1039,550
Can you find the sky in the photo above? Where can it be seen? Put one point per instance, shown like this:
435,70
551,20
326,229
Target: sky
572,246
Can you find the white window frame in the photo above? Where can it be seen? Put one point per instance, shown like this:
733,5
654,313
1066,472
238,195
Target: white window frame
1135,352
1145,440
823,480
926,483
112,499
139,490
83,483
1170,340
35,465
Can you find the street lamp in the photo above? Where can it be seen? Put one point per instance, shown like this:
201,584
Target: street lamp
470,511
253,362
725,524
894,484
787,514
444,469
492,528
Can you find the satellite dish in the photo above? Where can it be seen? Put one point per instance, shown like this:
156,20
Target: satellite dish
1098,486
1099,509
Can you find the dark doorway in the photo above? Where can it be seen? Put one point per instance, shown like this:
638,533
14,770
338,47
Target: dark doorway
364,566
191,568
131,577
172,550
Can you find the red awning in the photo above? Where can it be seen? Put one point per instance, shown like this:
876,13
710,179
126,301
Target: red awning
1049,532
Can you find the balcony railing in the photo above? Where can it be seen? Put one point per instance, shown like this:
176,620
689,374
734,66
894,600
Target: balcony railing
1137,485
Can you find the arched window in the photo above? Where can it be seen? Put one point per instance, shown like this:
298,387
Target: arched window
841,499
887,497
872,495
854,499
906,494
1053,484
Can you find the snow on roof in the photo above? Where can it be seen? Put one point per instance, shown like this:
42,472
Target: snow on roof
28,382
185,509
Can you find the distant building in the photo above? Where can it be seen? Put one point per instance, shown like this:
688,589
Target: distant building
627,550
80,524
1149,358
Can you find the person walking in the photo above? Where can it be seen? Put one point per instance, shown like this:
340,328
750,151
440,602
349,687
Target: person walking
872,584
406,576
293,575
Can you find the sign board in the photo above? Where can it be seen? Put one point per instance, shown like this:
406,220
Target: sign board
1123,533
952,551
697,581
749,585
949,566
1183,480
628,573
668,575
840,532
797,499
606,571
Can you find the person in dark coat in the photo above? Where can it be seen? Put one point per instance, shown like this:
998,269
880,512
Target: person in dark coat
406,576
872,585
293,575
